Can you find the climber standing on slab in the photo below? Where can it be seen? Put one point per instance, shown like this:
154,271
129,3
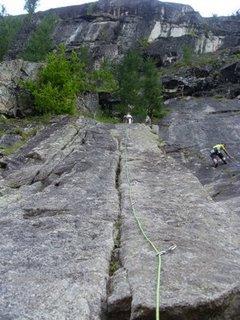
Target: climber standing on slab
217,153
128,118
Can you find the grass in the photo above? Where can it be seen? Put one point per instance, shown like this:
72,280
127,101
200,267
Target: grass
7,151
10,150
100,117
114,266
18,126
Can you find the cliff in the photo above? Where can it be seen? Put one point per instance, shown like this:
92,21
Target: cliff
110,28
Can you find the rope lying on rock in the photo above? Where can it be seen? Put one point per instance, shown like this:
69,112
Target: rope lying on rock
158,253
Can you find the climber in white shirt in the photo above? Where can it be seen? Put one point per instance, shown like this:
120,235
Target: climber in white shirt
128,118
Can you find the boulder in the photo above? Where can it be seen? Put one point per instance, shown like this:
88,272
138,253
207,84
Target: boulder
11,73
231,72
184,86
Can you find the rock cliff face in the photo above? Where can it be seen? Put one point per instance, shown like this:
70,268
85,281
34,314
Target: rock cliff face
71,248
11,73
110,28
191,130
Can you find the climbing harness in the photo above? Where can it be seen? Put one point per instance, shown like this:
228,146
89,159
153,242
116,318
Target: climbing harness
158,253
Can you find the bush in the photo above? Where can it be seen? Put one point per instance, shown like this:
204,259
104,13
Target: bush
40,43
63,78
56,88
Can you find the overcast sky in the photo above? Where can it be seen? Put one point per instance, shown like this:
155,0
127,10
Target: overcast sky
205,7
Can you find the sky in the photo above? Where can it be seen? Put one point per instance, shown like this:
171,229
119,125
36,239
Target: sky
206,7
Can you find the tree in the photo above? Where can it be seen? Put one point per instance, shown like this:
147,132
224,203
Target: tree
139,86
41,43
129,80
55,90
152,90
3,11
31,6
9,27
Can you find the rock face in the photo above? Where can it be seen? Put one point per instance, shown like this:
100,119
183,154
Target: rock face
71,248
11,73
191,130
215,74
109,28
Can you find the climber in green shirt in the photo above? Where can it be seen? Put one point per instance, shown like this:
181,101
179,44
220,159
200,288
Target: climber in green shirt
217,153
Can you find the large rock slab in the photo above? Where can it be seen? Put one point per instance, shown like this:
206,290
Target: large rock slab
200,279
57,214
71,249
192,128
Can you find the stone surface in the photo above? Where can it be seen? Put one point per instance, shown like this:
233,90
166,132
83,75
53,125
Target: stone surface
109,28
88,102
57,215
11,73
191,130
175,209
8,140
231,73
66,221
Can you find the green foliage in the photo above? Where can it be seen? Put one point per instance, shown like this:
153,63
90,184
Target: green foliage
40,43
11,149
9,26
187,55
139,86
101,117
92,7
55,90
152,91
114,266
129,79
103,79
63,78
25,135
30,6
143,43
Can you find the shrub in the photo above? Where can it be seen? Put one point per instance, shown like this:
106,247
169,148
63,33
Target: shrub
63,78
56,88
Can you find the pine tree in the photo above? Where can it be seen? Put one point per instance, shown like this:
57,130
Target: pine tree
31,6
129,80
152,89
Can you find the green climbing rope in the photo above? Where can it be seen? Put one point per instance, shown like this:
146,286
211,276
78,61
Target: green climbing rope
158,253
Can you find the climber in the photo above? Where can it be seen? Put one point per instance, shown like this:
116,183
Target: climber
128,118
216,153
